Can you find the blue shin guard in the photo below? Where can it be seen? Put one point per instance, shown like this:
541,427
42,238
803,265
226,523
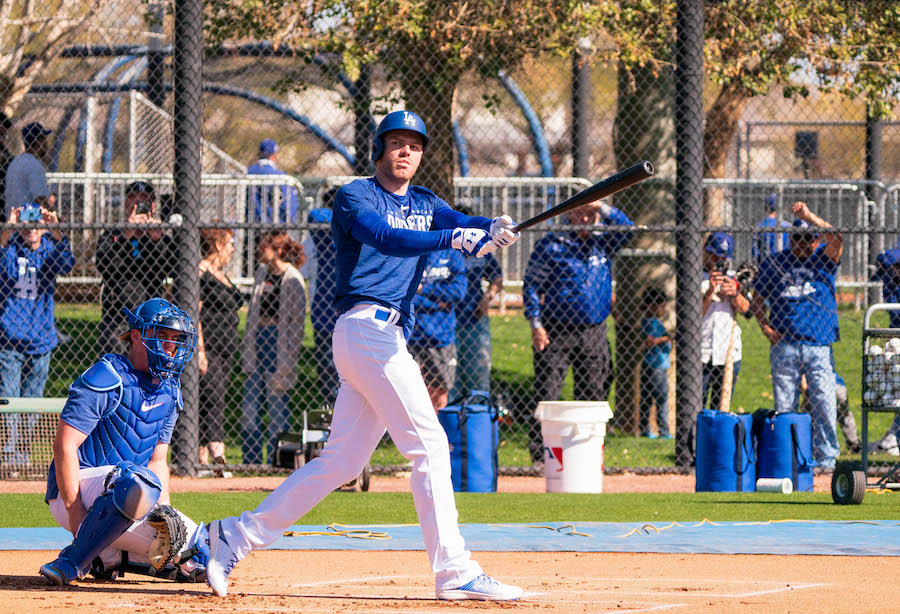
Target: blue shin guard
132,492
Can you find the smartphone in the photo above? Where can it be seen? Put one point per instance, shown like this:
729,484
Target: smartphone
31,213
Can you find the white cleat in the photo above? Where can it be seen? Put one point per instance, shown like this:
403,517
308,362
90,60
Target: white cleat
482,588
222,560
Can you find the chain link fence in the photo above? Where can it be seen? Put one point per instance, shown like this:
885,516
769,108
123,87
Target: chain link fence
595,305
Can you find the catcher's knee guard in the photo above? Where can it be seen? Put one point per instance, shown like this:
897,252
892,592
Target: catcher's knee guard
131,492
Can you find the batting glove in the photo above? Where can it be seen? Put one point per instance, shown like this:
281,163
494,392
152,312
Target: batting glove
472,242
502,231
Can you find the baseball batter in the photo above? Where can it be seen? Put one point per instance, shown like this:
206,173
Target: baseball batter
382,226
108,482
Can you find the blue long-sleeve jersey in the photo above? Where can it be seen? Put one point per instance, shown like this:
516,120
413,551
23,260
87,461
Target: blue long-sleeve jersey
573,275
321,305
379,238
443,285
27,284
263,197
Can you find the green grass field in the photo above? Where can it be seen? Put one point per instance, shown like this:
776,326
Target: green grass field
28,510
512,374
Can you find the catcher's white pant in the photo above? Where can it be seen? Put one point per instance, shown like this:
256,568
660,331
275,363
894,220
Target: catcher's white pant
135,541
381,386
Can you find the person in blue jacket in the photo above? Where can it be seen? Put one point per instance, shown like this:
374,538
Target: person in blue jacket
108,483
888,273
32,259
768,243
321,305
266,207
798,287
432,342
567,293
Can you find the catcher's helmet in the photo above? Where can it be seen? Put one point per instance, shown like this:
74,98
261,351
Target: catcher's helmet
398,120
149,317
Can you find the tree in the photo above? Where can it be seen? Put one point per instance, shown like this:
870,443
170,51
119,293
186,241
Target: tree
35,34
425,45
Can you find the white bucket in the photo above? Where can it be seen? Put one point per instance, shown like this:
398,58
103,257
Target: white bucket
573,434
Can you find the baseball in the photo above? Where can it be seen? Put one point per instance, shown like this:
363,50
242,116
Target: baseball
876,362
894,344
870,397
872,380
894,359
874,350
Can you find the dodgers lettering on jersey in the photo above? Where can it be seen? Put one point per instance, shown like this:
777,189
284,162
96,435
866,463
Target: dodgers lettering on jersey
364,274
801,296
443,285
124,423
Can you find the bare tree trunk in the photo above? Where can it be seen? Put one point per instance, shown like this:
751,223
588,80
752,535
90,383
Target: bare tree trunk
643,129
721,126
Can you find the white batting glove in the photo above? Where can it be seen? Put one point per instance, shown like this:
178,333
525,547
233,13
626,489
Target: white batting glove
472,242
502,231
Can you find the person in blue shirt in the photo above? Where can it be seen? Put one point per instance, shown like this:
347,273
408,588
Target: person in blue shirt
473,329
567,293
798,285
382,227
108,483
432,342
655,365
321,305
266,207
32,259
767,243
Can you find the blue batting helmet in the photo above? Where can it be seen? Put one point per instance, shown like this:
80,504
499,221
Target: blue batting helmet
398,120
149,317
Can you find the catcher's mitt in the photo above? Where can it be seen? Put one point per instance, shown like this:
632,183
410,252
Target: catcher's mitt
170,536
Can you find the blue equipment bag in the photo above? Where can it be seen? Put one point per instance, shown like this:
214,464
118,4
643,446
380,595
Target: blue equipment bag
473,432
784,447
725,457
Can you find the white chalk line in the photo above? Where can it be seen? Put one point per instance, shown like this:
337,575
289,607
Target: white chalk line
355,580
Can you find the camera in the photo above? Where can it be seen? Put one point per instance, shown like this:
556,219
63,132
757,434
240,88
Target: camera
144,207
722,267
31,213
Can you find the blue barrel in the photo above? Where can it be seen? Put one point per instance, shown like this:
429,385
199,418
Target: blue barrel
725,458
784,447
473,432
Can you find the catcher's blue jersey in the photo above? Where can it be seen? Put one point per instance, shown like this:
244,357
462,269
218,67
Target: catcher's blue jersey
379,238
122,412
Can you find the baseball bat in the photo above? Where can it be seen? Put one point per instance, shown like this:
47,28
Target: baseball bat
607,187
728,371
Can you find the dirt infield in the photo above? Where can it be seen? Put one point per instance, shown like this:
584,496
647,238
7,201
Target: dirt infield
611,483
559,583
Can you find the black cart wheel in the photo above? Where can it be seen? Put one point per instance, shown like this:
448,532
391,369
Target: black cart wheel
848,484
299,459
364,479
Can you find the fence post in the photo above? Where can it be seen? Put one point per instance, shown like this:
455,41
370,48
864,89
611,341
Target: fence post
688,216
187,82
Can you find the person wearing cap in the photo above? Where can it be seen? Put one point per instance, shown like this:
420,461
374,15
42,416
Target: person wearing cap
795,305
133,262
31,260
567,295
5,158
655,364
26,175
723,299
766,243
266,208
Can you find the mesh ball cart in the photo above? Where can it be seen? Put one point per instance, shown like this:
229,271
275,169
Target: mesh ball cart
879,467
293,449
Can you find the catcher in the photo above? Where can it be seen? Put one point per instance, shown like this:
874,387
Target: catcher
108,482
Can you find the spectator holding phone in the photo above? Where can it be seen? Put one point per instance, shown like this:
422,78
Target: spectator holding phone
31,260
133,262
723,299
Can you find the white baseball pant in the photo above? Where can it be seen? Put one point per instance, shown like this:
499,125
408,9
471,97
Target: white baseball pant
381,387
135,541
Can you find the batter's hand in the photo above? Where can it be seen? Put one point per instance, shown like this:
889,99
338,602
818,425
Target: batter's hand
502,231
473,242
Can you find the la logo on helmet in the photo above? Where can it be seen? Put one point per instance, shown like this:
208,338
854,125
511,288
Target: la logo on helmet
409,119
